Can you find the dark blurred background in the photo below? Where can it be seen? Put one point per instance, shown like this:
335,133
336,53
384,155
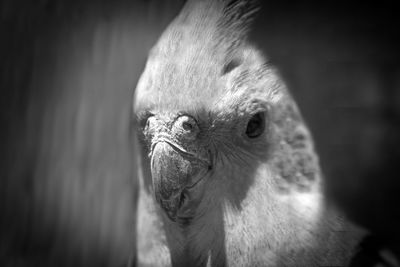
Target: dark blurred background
341,60
67,74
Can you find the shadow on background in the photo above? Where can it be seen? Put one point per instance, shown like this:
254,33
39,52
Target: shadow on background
68,70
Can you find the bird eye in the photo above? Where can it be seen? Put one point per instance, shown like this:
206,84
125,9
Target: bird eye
145,123
256,125
143,119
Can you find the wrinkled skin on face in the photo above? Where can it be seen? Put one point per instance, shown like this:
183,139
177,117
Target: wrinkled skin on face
229,175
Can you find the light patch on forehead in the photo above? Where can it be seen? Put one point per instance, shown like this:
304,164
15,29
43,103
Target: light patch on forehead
194,76
178,84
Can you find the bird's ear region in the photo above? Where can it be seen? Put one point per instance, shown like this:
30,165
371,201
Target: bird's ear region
294,158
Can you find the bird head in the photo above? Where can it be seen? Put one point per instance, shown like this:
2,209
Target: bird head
211,111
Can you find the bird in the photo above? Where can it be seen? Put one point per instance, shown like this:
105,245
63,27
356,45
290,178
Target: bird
228,170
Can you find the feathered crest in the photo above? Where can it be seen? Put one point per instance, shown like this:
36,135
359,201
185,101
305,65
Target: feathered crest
230,19
238,14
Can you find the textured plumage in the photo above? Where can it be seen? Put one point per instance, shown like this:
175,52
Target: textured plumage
212,194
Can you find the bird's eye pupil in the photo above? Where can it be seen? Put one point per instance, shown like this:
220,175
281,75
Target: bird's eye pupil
256,125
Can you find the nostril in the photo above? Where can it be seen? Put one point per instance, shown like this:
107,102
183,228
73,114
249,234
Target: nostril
187,126
182,199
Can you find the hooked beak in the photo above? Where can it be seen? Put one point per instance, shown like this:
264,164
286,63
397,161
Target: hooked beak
174,171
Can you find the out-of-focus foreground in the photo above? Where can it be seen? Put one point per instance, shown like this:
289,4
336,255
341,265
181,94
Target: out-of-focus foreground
68,70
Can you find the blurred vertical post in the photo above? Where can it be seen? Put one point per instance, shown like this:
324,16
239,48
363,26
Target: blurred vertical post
68,72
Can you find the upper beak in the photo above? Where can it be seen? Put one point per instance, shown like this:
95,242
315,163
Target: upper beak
173,170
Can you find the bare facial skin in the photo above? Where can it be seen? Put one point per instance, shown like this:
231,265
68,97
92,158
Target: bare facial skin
229,174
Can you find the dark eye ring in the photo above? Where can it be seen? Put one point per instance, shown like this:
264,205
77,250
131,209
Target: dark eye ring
256,125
